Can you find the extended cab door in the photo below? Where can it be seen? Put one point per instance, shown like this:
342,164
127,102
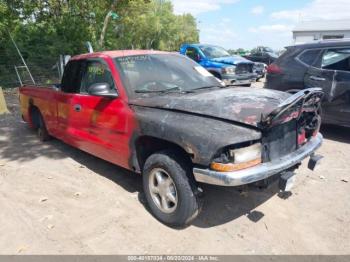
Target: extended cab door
69,120
332,73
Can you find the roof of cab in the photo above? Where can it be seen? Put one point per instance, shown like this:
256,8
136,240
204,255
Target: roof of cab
118,53
198,45
323,44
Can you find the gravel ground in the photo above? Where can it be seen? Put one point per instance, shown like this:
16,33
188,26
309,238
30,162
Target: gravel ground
55,199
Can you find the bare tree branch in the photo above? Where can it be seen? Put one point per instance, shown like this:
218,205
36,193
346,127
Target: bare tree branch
105,23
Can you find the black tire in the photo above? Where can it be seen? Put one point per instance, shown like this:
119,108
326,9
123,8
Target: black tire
41,130
188,200
247,85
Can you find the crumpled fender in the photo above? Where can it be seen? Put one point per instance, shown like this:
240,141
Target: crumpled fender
200,136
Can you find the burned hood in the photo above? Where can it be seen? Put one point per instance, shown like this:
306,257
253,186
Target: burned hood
231,60
243,105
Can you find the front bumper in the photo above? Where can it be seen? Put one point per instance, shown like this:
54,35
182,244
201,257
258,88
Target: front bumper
259,172
240,79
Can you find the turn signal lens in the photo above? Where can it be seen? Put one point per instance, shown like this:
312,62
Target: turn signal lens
234,167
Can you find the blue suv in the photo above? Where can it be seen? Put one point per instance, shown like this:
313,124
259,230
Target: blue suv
233,70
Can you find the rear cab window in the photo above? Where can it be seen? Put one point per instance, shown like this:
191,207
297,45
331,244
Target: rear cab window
72,77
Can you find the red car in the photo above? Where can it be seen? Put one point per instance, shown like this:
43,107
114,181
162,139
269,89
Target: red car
164,116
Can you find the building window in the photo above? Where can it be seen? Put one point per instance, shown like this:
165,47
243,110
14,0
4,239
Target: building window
327,37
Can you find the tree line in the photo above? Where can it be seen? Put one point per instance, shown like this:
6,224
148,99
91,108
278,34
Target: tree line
44,29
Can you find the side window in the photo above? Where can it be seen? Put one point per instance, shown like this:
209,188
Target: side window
95,72
336,59
72,77
309,56
192,53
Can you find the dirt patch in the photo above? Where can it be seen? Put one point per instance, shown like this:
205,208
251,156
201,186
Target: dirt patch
59,200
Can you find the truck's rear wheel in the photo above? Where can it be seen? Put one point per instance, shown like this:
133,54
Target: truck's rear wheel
40,126
169,189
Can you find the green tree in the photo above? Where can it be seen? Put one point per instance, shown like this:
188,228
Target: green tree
43,29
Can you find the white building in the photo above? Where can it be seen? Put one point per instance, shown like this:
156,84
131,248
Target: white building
309,31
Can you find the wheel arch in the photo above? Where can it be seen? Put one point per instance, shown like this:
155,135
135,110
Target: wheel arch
215,73
145,146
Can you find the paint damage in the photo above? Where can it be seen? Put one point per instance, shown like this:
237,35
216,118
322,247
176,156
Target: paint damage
205,123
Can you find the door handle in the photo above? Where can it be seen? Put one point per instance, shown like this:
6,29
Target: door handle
77,108
316,78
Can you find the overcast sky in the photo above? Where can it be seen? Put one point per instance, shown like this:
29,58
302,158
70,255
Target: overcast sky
248,23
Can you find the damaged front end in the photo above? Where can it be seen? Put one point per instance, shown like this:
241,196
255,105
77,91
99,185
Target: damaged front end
291,124
289,135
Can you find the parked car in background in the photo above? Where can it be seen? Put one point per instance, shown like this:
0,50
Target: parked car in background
231,69
262,54
260,70
164,116
324,64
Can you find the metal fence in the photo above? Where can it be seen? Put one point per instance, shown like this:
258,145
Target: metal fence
13,74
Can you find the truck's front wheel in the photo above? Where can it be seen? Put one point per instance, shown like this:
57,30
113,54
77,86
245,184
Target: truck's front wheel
169,189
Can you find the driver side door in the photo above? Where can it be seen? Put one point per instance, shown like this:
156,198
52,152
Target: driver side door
105,121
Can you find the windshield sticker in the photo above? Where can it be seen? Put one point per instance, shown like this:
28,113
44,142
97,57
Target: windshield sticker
202,71
96,69
132,59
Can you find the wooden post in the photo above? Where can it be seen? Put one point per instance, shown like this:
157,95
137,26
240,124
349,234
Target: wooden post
3,107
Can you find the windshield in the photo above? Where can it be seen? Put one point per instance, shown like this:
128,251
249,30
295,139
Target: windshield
214,51
159,73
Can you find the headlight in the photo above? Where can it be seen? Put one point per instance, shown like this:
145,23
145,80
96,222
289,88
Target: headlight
228,70
237,159
246,154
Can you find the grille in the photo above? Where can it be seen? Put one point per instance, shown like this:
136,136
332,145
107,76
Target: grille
244,68
280,141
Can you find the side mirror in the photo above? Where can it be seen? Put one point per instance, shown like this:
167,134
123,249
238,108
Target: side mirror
102,89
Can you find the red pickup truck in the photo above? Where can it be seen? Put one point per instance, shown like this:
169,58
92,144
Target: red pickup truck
164,116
